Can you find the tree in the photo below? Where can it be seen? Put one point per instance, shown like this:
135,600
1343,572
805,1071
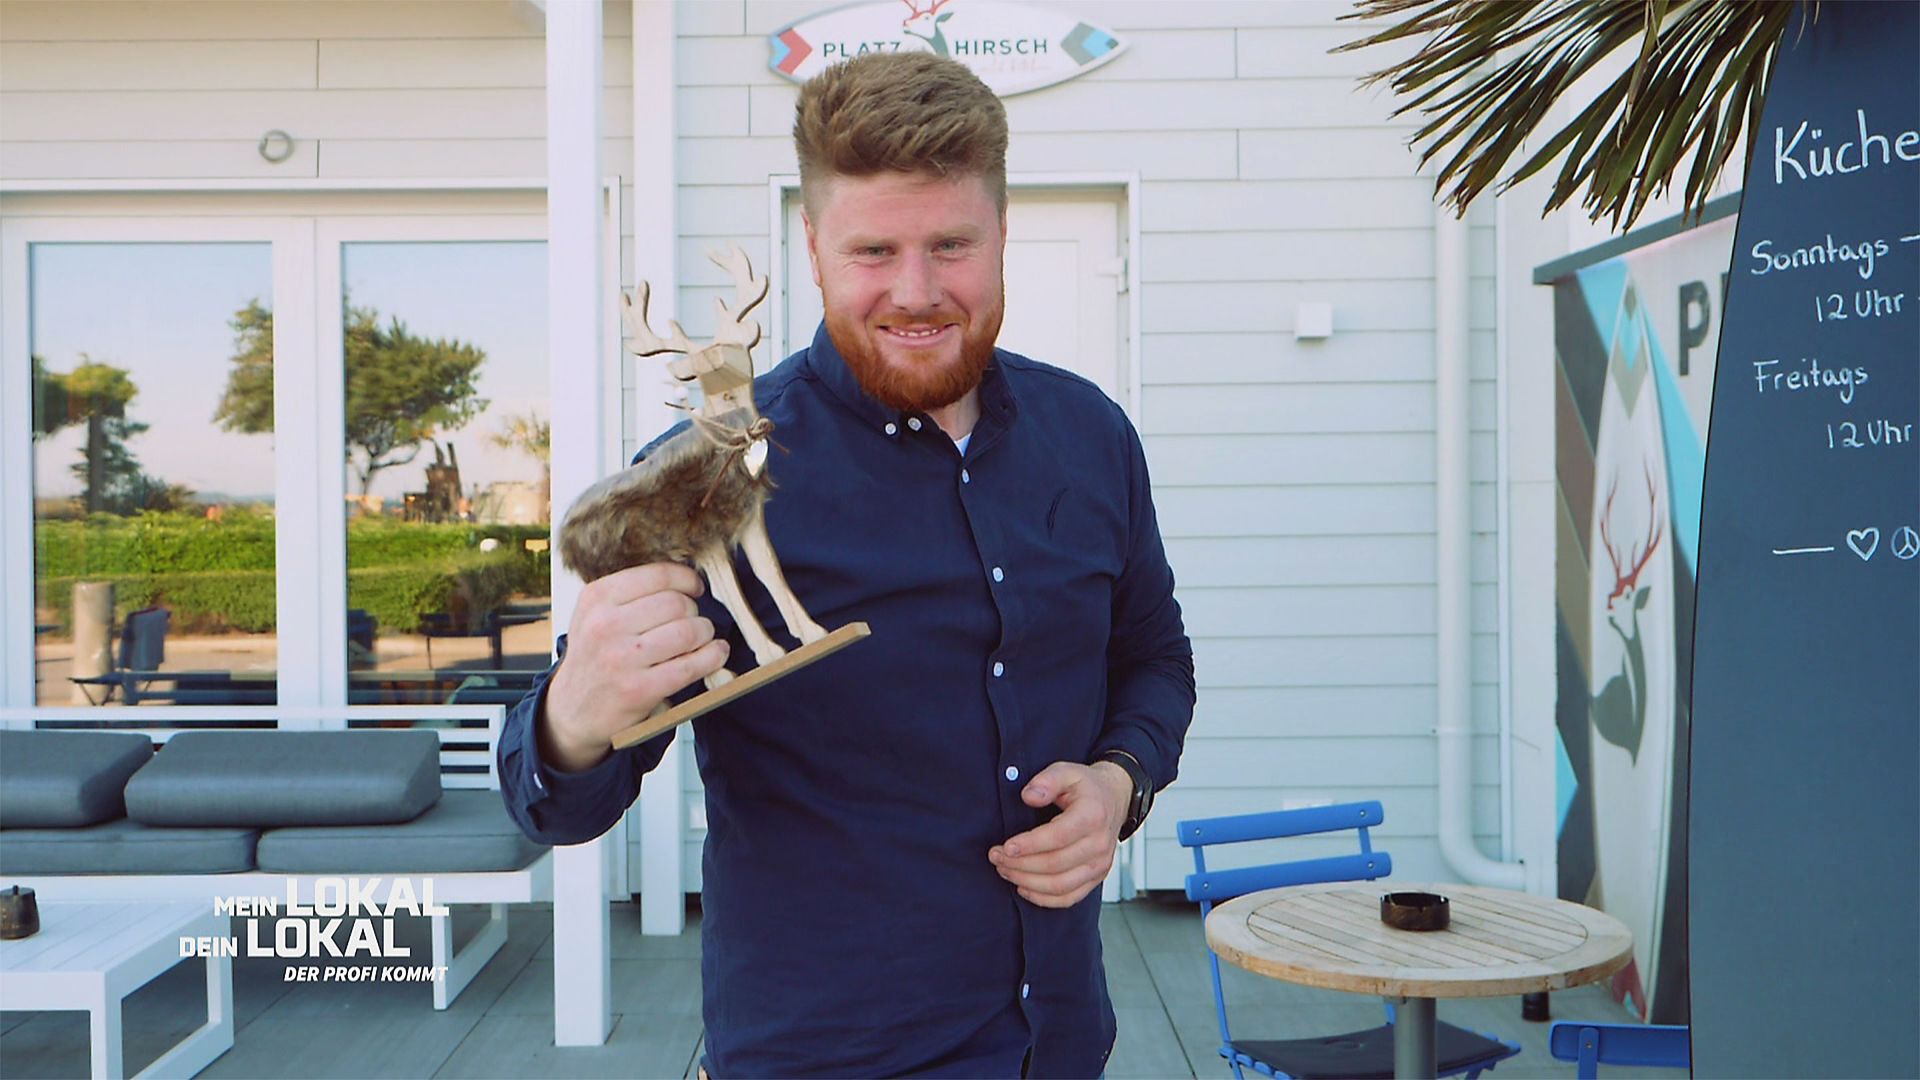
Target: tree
402,390
531,434
110,476
1489,71
99,394
247,403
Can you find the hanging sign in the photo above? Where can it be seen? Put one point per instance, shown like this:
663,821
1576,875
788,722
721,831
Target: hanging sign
1635,339
1012,47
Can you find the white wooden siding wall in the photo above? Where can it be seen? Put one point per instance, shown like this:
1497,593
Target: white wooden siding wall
366,88
1295,481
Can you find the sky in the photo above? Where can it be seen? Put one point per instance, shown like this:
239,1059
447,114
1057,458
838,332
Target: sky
161,311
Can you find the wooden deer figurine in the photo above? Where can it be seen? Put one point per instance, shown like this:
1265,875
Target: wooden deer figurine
701,493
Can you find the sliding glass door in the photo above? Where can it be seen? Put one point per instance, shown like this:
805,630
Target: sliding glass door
292,459
442,340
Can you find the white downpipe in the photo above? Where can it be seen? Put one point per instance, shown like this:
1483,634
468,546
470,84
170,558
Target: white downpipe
1453,465
1503,520
583,976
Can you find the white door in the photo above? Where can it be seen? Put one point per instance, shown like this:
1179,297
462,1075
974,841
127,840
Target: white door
1065,274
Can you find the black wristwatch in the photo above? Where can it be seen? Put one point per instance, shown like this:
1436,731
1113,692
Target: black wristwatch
1142,800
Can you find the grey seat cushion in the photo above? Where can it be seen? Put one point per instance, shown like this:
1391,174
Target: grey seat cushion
264,779
468,831
63,779
124,846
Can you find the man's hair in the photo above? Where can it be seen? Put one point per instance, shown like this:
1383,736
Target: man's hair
911,112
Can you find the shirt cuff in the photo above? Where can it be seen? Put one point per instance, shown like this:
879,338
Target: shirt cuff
558,800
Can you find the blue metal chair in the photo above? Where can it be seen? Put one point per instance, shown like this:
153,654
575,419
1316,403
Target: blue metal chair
1354,1054
1658,1045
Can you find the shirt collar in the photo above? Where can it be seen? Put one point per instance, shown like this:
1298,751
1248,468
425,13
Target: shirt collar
997,405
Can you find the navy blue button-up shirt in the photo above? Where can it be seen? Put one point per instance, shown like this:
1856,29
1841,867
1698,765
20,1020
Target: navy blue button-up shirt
1022,613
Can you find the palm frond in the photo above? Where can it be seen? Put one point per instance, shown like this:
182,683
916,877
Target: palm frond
1488,73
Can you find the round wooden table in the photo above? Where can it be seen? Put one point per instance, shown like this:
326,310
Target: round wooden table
1499,943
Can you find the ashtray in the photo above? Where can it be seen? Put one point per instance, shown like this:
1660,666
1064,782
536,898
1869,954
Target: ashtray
19,914
1413,911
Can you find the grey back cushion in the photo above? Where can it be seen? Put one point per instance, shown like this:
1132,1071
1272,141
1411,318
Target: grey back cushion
264,779
66,779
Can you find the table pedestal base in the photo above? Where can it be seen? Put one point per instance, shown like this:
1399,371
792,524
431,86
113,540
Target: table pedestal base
1414,1028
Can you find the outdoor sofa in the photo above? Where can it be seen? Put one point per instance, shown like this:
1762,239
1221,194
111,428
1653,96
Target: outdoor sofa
215,814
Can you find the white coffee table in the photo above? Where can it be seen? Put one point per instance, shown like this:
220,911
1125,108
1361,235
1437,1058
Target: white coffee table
91,956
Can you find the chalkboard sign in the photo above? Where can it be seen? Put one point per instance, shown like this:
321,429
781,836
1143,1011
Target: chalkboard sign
1804,895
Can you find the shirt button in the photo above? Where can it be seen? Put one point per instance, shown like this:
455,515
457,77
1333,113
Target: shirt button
913,422
999,669
1024,989
997,575
965,478
1013,773
893,428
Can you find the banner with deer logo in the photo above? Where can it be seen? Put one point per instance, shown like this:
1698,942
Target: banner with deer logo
1013,47
1634,338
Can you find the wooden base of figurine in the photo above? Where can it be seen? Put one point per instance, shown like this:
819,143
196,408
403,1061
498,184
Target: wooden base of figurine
666,719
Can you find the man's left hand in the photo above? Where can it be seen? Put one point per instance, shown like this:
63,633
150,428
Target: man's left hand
1058,863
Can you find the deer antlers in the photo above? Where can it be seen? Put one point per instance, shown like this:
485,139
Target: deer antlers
917,12
734,327
1624,583
645,343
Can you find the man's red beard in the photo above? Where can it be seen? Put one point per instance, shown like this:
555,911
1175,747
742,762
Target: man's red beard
916,387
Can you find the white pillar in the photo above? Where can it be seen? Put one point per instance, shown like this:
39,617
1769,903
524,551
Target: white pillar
309,427
17,646
656,260
92,637
582,1005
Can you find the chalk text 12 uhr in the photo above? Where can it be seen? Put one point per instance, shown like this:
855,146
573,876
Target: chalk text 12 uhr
1867,304
1847,435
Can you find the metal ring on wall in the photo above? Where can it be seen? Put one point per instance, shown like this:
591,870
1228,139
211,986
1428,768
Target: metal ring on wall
285,140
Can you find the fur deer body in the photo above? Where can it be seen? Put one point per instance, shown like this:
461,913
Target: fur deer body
687,496
702,493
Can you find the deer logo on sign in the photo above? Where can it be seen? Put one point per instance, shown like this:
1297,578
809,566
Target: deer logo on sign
1620,709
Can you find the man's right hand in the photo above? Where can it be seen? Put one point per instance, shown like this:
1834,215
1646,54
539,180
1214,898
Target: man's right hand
636,637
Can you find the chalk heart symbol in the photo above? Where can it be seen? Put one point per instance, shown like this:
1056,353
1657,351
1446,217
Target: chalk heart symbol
1863,542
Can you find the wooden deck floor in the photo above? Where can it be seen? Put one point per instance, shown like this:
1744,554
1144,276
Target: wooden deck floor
502,1026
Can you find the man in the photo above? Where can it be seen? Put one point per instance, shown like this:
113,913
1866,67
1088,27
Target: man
905,842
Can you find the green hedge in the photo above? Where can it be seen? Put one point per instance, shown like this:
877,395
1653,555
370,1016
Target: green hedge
218,575
384,542
466,587
152,544
182,543
211,602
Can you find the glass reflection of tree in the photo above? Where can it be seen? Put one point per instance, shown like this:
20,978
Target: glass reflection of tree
403,390
531,434
98,395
